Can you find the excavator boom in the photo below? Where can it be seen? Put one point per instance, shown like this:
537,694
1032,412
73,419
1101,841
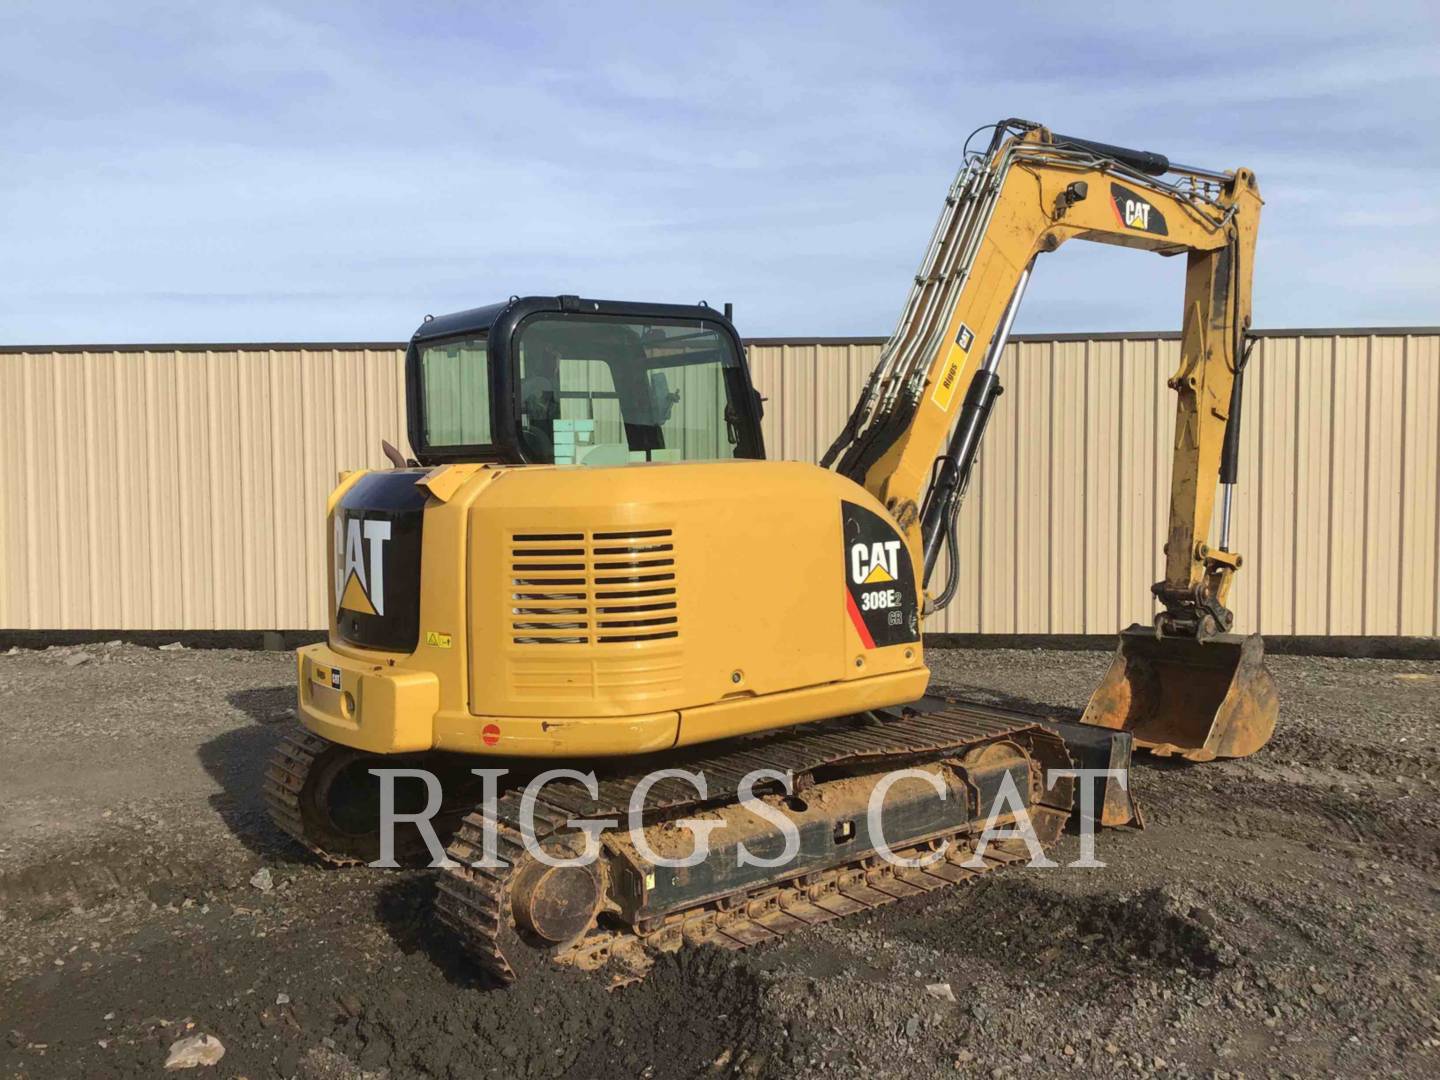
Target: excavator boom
1181,686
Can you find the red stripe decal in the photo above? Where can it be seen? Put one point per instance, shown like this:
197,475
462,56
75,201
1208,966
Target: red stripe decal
855,618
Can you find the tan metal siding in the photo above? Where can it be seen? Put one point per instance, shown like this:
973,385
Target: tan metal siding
182,489
1419,586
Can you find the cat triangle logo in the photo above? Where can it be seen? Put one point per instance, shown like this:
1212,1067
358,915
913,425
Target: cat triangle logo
355,599
878,573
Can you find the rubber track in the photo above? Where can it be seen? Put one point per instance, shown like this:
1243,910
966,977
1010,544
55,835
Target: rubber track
472,901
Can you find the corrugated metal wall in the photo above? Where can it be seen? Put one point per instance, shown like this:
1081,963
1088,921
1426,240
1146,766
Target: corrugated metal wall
182,489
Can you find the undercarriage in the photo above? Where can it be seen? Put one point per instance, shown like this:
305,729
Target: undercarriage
883,806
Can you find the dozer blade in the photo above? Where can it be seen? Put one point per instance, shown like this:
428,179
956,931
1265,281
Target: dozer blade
1197,700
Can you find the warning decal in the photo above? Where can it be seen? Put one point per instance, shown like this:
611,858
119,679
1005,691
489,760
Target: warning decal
879,580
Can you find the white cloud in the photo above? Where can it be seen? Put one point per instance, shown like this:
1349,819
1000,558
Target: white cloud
305,171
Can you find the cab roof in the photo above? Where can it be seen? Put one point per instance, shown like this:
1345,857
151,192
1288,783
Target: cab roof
479,320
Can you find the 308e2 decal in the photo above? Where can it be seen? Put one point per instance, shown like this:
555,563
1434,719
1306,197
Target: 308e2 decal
879,580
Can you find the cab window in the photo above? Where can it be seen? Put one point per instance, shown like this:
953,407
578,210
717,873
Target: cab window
604,391
455,381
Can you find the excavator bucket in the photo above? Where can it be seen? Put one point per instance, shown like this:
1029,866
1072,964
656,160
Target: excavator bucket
1197,700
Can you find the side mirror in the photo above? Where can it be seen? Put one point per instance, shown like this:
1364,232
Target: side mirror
759,403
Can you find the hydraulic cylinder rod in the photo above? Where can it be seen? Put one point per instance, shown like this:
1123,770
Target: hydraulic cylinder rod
1230,456
953,469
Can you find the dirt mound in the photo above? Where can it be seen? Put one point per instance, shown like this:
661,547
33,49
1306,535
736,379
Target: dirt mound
376,989
1021,926
694,1010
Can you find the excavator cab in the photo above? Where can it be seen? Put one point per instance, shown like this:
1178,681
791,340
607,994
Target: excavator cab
557,380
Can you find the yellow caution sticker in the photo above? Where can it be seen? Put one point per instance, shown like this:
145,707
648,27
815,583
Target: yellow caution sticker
437,640
954,364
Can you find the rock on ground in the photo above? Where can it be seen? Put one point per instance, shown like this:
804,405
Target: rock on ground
195,1051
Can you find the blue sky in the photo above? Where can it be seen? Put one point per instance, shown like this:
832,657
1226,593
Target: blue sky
285,172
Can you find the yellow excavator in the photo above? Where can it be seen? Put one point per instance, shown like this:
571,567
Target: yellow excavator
590,566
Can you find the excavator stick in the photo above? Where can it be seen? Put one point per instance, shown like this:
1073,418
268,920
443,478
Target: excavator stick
1180,696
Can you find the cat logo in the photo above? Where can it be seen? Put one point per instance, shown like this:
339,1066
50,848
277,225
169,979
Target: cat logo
1133,212
1137,214
360,564
871,564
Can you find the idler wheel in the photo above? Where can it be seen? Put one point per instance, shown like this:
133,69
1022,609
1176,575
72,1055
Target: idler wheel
555,903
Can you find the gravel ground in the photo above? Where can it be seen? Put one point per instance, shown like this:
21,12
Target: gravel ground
1277,917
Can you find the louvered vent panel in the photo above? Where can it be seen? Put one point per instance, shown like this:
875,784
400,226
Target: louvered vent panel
582,588
634,586
549,578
